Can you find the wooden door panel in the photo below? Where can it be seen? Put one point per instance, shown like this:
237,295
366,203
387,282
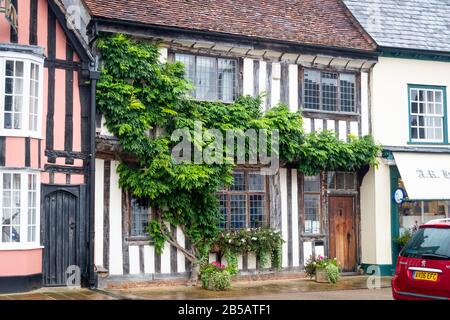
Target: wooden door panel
64,232
342,231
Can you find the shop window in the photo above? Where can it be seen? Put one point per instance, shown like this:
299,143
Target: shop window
140,216
244,203
214,79
19,210
312,204
427,108
20,96
329,91
343,181
416,213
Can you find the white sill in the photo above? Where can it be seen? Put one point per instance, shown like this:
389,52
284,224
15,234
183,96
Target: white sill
20,134
19,246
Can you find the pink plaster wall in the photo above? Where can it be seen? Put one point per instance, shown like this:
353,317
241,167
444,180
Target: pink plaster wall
4,29
20,262
76,114
42,24
15,149
60,109
24,22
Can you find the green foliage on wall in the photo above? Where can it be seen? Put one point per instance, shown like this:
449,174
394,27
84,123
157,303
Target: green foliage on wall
144,100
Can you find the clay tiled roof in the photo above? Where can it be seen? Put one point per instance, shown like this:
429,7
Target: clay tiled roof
311,22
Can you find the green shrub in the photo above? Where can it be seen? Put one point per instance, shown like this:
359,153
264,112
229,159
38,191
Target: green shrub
220,281
333,272
331,266
215,277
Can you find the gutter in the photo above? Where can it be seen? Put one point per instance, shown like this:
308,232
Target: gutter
98,24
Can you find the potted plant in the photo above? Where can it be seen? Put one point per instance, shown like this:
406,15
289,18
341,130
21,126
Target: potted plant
215,276
406,235
323,269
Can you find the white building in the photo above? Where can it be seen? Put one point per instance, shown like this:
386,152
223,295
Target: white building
409,117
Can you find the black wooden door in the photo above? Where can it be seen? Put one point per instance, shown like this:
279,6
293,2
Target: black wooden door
64,233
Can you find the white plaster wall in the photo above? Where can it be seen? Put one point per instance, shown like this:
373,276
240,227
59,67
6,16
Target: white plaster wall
115,223
284,218
376,216
98,219
295,232
389,91
365,103
248,77
276,82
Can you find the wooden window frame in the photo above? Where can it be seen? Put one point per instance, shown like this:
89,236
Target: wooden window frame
238,72
303,215
227,192
338,93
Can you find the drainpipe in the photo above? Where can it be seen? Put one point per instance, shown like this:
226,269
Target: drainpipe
94,75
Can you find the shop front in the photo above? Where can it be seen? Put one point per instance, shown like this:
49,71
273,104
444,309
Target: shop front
420,188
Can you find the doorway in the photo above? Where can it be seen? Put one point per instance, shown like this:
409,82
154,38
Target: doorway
64,233
343,231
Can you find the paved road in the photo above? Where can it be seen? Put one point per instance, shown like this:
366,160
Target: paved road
379,294
348,288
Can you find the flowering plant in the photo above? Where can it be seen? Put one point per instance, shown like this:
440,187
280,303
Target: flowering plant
264,242
215,276
330,265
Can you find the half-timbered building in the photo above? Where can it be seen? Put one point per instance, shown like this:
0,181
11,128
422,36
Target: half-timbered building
310,55
45,103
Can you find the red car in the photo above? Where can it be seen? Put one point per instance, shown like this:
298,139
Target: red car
423,266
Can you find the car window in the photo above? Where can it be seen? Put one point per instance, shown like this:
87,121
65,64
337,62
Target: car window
429,243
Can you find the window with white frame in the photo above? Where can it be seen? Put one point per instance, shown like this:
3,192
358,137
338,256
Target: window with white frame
19,209
214,79
20,95
427,114
329,91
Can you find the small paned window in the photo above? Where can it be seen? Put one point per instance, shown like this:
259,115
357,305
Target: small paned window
427,114
312,204
214,79
329,91
244,203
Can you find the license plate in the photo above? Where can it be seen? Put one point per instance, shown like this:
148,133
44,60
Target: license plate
427,276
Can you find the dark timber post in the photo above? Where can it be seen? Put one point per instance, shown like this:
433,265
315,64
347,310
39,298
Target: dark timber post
94,76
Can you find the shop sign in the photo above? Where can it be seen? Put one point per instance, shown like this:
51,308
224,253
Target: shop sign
399,196
10,13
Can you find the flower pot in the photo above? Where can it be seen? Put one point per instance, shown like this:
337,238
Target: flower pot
322,276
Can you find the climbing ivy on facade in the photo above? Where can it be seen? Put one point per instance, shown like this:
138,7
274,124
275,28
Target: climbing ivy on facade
144,100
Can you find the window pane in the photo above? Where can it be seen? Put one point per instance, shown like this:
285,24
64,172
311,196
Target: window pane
6,234
9,68
139,216
206,78
227,80
238,182
19,69
312,213
238,208
223,210
347,83
256,211
340,181
329,91
189,66
256,182
312,89
312,183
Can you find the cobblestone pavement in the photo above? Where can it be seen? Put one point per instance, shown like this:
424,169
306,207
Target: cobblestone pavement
348,288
